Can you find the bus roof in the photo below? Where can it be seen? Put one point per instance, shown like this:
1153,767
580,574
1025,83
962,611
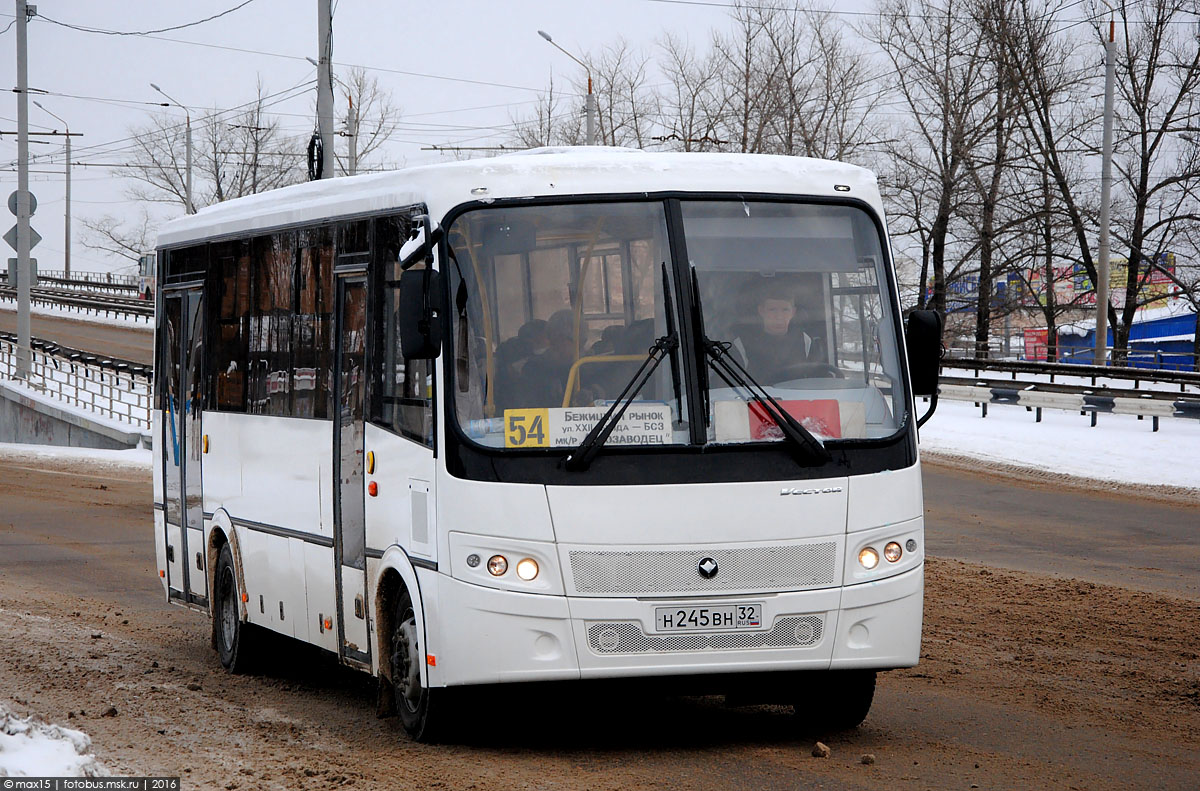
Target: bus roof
538,172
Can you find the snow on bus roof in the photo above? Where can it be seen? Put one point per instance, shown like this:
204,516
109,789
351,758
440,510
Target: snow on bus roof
537,172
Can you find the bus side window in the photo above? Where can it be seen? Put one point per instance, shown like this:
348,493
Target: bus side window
402,390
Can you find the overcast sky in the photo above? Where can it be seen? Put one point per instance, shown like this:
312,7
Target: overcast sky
216,64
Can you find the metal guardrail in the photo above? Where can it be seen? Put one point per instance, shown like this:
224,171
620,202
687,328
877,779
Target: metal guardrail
105,278
109,386
107,305
1094,373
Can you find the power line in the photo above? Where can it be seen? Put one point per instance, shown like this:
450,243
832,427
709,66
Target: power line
86,29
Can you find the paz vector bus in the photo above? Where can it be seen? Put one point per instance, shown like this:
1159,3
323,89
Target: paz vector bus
567,414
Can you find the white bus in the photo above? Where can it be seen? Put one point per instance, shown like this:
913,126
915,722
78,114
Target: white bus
147,269
567,414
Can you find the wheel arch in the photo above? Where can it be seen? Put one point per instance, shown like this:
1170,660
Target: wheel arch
220,533
396,575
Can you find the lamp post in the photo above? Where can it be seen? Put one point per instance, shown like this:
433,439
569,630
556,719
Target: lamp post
591,97
66,197
191,207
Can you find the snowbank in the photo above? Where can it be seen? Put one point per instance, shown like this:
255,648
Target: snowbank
1120,448
31,748
134,460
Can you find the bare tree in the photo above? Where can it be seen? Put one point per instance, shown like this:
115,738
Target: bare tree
626,107
371,116
939,70
690,108
120,239
1156,156
556,121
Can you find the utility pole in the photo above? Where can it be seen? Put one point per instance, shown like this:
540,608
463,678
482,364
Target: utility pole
1110,68
352,133
24,270
325,86
67,195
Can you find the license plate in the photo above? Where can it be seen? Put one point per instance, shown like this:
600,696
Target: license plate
709,618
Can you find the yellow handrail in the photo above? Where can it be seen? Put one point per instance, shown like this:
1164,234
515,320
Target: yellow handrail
573,376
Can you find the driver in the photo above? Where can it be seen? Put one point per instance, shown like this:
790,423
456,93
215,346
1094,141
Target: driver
773,344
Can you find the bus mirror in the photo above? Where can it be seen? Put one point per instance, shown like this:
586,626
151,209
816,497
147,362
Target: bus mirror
418,320
509,237
923,339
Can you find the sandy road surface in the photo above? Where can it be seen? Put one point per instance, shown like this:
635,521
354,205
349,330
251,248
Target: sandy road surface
129,343
1026,681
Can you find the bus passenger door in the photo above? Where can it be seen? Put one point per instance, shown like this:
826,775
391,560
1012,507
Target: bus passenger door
182,443
348,428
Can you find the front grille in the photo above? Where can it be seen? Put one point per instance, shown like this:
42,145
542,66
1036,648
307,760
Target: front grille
772,568
628,638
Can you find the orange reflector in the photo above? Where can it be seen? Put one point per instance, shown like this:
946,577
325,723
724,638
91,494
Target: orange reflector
370,462
373,489
162,573
431,660
328,623
245,597
206,443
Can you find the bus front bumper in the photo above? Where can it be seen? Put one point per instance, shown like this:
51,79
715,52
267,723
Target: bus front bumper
486,636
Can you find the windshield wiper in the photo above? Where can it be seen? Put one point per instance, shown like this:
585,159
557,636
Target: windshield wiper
809,449
586,450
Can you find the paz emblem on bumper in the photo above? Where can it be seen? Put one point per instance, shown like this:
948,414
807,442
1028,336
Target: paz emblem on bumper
707,568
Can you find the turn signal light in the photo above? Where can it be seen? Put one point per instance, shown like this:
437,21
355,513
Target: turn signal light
370,462
373,489
892,552
497,565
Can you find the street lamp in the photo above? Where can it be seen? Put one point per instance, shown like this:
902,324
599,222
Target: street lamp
591,97
67,196
191,207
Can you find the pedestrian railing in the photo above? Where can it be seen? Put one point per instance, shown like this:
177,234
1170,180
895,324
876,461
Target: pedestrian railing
110,387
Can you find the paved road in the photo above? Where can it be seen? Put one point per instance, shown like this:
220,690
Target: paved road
1024,681
134,344
1104,535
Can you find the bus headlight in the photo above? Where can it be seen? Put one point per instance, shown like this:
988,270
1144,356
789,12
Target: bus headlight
497,565
868,557
527,569
892,552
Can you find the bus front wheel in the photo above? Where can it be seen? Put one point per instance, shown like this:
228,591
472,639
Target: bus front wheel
424,711
836,700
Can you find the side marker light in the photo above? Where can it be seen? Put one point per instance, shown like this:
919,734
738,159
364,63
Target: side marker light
431,660
162,573
370,462
373,489
245,597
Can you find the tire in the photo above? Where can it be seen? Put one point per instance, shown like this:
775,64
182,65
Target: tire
425,713
837,700
234,639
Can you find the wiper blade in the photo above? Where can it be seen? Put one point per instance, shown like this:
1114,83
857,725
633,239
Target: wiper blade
586,450
810,450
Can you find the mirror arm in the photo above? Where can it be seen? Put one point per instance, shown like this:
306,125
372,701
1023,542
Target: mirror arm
933,402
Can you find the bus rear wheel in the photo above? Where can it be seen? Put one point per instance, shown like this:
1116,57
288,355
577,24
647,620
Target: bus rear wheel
836,700
424,712
234,638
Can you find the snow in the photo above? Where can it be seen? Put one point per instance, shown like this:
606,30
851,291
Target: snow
1120,448
559,172
133,459
31,748
89,317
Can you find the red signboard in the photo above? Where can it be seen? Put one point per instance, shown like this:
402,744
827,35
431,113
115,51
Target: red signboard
1036,341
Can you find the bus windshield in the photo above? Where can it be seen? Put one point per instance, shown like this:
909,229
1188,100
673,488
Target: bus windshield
556,307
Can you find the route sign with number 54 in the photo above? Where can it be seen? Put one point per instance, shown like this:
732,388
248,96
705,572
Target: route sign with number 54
526,428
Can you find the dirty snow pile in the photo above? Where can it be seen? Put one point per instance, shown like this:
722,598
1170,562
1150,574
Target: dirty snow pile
29,748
